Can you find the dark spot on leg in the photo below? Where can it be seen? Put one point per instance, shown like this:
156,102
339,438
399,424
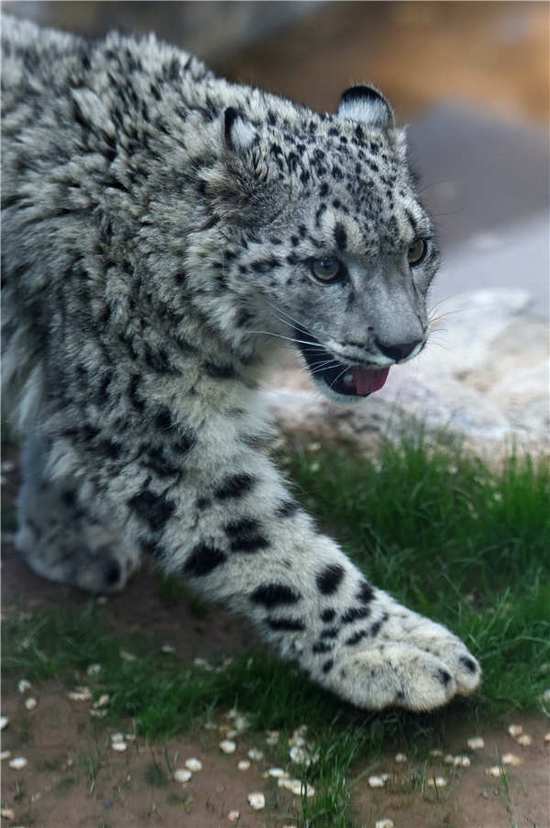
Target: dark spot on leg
375,628
330,632
328,615
286,624
322,647
245,536
154,509
235,485
203,503
468,663
444,677
203,560
330,578
356,638
354,614
366,593
273,595
287,509
328,665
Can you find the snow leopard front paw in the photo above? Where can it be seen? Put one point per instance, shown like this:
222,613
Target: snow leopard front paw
419,671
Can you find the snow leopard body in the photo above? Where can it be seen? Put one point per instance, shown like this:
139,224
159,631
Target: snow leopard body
161,233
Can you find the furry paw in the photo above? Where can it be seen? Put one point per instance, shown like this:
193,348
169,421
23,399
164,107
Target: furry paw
400,674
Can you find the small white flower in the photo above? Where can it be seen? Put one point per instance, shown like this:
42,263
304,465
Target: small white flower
119,746
233,816
228,746
462,762
296,787
7,813
524,740
277,773
243,765
168,649
376,781
256,800
126,656
384,823
495,771
449,759
102,701
80,694
511,759
30,703
193,764
18,763
272,737
4,721
23,685
436,753
182,775
437,782
515,730
400,758
117,737
5,754
547,737
476,743
255,754
94,670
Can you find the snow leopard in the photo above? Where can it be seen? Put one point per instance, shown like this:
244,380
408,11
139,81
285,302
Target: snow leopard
164,231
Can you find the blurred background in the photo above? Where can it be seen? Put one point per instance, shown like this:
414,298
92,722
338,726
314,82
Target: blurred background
471,79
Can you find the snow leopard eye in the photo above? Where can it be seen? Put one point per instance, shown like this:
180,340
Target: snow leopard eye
417,252
329,269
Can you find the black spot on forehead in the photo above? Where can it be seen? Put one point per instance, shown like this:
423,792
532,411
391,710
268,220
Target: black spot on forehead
340,236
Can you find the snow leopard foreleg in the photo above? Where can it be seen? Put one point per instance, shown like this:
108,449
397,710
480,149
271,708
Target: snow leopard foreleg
235,533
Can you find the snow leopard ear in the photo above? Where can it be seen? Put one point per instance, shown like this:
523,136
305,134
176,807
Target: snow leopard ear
239,135
368,105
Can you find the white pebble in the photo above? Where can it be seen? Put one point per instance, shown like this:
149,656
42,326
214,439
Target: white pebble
241,723
255,755
7,813
296,787
243,765
437,782
23,685
18,763
476,743
515,730
5,754
272,737
233,816
547,737
495,771
193,764
119,746
256,800
228,746
400,758
101,600
511,759
30,703
80,694
94,670
182,775
277,773
4,721
117,737
524,740
230,734
168,649
384,823
376,781
436,753
462,762
449,759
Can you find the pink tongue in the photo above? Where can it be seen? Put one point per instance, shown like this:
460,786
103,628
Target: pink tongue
368,380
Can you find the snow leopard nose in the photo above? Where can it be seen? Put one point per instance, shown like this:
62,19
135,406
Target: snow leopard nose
399,351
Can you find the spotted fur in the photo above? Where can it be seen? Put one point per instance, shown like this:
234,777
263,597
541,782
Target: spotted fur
160,227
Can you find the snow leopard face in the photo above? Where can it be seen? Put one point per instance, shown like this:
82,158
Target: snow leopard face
339,252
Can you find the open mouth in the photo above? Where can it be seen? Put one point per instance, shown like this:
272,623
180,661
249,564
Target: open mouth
347,380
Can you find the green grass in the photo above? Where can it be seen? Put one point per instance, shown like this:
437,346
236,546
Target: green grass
465,544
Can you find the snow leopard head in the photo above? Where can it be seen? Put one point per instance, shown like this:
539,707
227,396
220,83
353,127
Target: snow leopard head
324,239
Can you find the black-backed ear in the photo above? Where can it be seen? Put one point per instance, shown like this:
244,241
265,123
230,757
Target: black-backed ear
239,135
367,105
